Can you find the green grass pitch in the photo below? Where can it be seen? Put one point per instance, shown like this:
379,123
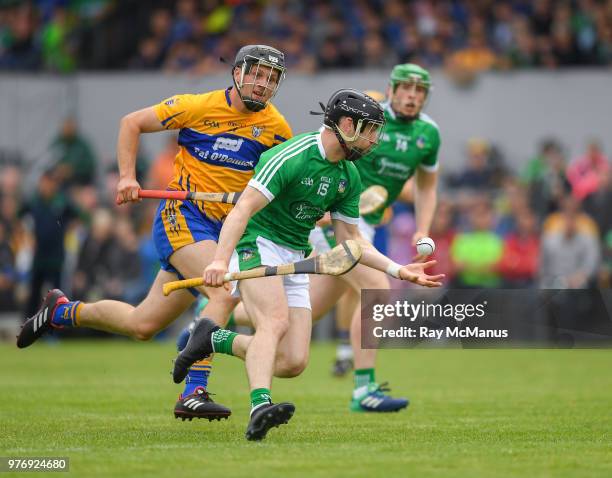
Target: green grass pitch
108,406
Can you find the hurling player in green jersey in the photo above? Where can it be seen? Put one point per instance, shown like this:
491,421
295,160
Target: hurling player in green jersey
294,185
408,148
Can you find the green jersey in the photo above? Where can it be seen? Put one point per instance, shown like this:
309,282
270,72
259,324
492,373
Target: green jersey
301,185
404,146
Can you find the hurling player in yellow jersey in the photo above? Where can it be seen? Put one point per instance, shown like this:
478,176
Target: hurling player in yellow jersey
221,136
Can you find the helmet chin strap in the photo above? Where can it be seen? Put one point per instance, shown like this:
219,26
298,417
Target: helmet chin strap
350,154
249,103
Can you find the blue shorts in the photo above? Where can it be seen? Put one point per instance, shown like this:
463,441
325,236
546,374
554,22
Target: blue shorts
178,224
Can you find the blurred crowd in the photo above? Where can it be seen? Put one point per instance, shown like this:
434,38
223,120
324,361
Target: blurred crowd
546,226
465,37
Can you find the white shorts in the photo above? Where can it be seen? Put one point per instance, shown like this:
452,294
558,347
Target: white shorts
319,242
296,285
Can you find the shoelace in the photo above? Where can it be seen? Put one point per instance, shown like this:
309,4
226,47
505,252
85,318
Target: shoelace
381,389
206,394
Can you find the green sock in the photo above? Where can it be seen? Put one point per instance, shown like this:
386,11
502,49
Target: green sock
260,396
363,377
222,341
231,321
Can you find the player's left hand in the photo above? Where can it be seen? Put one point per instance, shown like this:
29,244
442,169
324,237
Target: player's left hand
214,273
416,274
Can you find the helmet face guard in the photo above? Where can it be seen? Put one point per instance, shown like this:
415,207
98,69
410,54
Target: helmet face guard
367,116
261,68
369,131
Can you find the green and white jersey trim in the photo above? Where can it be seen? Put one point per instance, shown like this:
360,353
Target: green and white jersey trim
261,180
343,218
426,119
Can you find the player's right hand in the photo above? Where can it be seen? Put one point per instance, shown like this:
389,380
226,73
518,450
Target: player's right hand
127,191
214,273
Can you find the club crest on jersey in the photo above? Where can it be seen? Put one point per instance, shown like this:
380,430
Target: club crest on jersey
307,181
172,219
247,255
257,130
342,186
420,142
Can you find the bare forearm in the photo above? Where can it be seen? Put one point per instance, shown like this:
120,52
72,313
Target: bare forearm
127,148
371,257
425,206
232,231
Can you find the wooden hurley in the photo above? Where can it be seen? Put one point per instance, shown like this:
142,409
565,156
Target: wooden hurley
338,261
372,199
226,198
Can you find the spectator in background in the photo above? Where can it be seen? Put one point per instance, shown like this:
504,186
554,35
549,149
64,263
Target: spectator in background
149,55
480,174
8,273
58,47
570,208
162,169
599,204
93,270
476,253
584,172
546,178
73,156
510,204
125,266
520,258
569,257
51,213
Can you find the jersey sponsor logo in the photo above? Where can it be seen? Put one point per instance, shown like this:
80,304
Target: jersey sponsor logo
228,143
342,186
386,167
257,130
306,211
326,179
211,123
307,181
171,101
222,158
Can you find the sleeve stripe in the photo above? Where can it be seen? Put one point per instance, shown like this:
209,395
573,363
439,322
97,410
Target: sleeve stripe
429,168
285,158
269,166
261,188
278,137
343,218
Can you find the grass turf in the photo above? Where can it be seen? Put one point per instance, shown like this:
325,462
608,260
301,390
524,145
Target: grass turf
108,406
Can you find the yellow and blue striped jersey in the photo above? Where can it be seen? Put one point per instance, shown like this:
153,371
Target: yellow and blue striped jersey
219,147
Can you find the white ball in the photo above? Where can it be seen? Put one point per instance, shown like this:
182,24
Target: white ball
425,246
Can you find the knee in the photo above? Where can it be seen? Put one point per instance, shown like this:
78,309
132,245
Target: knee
293,366
144,332
277,326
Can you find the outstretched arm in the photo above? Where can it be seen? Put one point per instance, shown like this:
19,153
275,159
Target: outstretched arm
371,257
425,199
